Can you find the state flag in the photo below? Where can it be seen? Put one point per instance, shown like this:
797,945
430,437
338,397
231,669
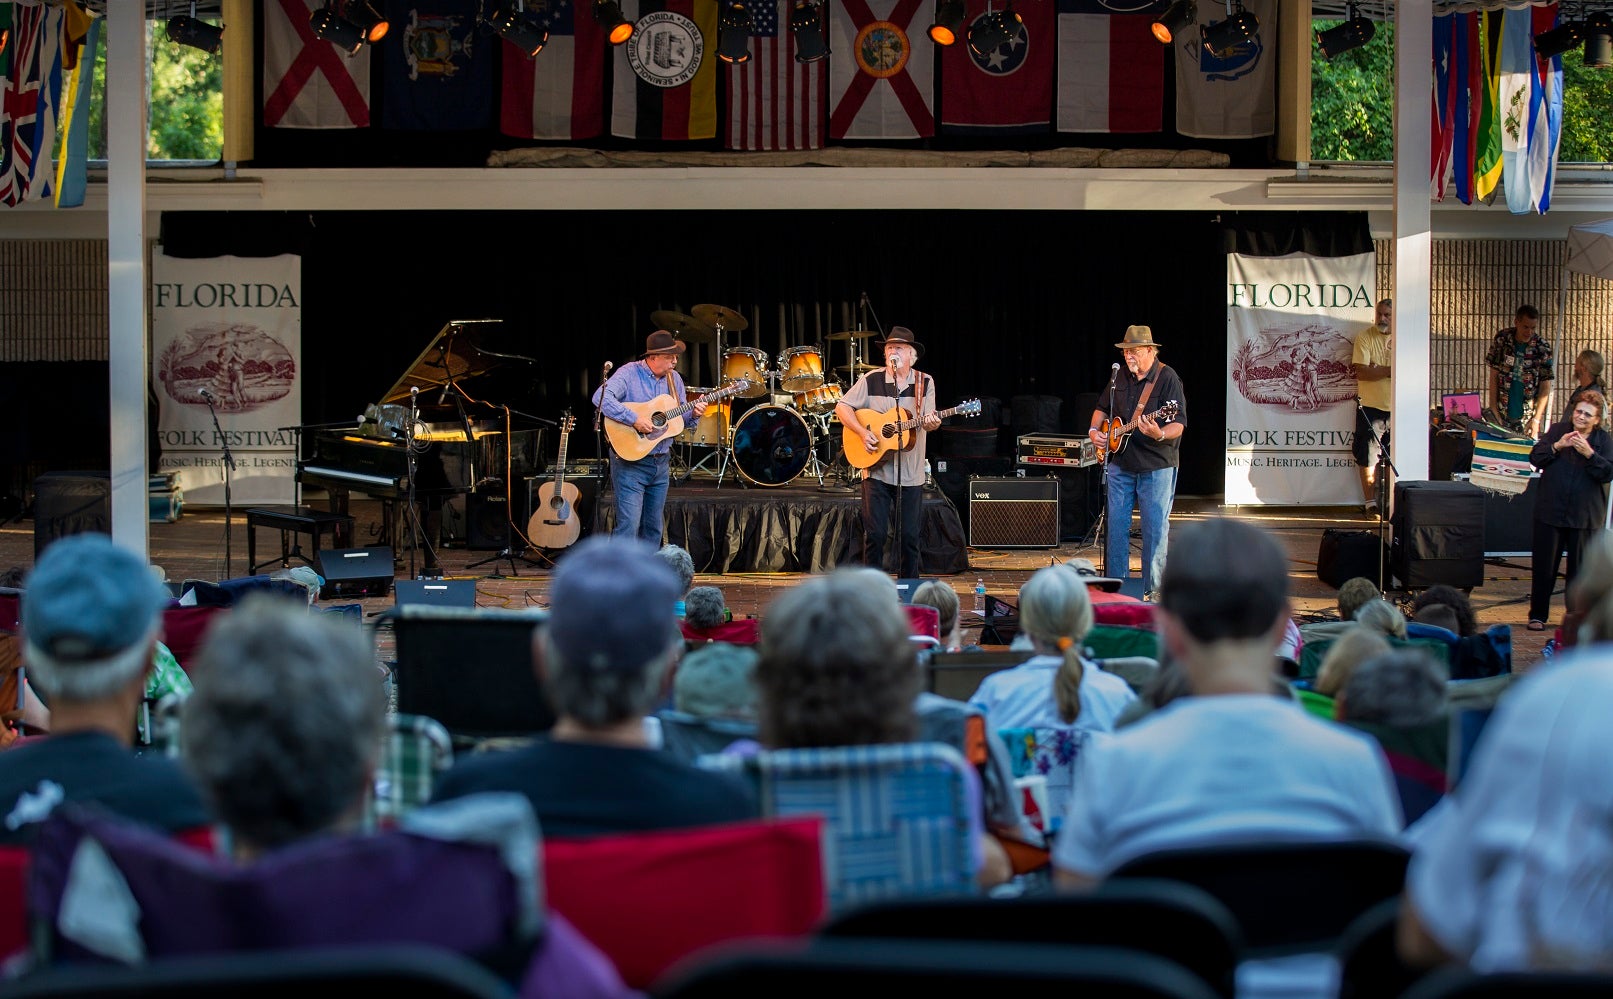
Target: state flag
1233,95
1006,90
307,82
664,79
775,102
437,66
560,92
1111,70
882,75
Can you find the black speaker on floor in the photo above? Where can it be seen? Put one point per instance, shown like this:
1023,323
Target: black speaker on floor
70,503
1014,513
487,521
1438,534
588,489
356,572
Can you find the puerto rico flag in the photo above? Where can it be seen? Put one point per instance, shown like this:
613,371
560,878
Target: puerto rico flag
560,92
1006,90
775,102
307,83
30,88
1111,70
882,73
664,83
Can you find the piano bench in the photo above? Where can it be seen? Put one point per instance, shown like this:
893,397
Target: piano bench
290,520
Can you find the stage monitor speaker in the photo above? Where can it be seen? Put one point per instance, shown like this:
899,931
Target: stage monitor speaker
70,503
356,572
487,521
471,671
1013,513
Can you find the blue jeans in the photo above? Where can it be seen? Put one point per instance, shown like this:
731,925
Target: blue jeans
1151,493
640,488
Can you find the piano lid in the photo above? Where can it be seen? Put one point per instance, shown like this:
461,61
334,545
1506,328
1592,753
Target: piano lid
452,355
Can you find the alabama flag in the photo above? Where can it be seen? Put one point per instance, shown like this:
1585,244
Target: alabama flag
1111,70
1008,89
559,93
882,73
307,83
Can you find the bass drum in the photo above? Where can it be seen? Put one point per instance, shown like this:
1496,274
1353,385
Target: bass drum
772,446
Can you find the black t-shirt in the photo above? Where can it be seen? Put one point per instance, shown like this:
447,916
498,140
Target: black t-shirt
1141,453
584,789
93,767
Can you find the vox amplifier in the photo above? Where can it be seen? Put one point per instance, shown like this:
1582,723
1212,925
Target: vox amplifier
1013,513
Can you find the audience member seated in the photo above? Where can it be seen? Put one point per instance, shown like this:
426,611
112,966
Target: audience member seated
837,669
1455,601
706,618
90,621
604,658
1511,873
1398,697
681,563
1353,646
1383,617
1355,592
941,596
1056,687
714,701
1593,582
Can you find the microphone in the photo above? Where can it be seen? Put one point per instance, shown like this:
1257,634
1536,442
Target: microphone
442,396
1115,366
206,395
606,373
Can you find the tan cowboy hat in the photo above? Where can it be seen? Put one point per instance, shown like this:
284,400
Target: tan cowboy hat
901,334
1138,336
661,342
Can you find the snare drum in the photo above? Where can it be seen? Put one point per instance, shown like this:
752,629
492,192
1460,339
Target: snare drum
746,362
800,369
772,446
820,400
710,430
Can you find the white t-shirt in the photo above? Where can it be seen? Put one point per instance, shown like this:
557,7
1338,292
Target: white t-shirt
1514,871
1022,697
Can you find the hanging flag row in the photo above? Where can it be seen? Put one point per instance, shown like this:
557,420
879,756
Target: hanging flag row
1073,66
1497,112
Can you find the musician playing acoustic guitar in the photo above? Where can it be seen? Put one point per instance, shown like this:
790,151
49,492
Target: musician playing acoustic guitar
640,485
1142,465
898,477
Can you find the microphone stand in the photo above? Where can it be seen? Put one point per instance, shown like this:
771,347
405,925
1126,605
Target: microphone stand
229,473
1103,528
599,416
1380,486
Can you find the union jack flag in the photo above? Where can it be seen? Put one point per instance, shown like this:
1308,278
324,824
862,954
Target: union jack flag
30,90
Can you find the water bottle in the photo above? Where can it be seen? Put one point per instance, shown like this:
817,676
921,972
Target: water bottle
980,596
680,610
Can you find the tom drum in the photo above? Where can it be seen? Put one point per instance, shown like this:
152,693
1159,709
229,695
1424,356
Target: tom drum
819,400
800,369
710,430
746,362
772,446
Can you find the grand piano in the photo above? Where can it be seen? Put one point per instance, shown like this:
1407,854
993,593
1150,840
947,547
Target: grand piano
461,446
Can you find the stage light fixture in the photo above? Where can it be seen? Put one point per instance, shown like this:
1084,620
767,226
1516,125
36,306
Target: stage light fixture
1176,17
994,28
1599,40
185,29
618,28
733,33
363,15
1352,34
948,22
806,23
1222,37
329,25
5,38
520,27
1564,37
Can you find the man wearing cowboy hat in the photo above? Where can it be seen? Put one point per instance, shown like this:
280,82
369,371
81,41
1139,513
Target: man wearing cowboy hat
640,486
1142,466
897,478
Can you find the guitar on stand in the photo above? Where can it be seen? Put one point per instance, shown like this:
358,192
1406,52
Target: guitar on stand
554,522
894,430
666,416
1119,432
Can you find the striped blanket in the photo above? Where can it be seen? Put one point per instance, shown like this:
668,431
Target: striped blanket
1501,465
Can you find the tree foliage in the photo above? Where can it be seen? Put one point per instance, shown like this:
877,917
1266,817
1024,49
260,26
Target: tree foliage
186,103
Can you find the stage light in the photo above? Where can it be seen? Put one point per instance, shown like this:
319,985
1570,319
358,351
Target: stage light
733,33
332,27
186,30
1176,17
5,38
1352,34
948,22
994,29
521,28
1560,39
806,22
1222,37
618,28
371,25
1599,40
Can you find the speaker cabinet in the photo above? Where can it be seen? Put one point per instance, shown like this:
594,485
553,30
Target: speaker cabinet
487,521
1013,513
70,503
356,572
588,489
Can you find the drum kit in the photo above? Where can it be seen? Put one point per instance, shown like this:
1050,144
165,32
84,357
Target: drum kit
787,433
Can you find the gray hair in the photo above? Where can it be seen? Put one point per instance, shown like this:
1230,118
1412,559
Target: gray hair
682,564
283,731
1056,611
1593,362
705,607
1402,688
598,695
91,680
1383,617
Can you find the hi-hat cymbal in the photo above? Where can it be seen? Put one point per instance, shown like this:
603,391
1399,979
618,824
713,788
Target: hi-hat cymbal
850,335
685,328
857,369
717,315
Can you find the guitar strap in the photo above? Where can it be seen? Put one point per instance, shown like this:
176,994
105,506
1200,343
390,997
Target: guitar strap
1142,400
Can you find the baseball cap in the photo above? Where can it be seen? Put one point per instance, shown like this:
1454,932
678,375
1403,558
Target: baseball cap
612,605
87,600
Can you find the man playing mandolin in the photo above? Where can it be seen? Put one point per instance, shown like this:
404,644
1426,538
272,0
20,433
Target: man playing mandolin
897,479
640,482
1142,462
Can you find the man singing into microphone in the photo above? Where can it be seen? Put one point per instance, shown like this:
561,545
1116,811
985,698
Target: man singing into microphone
1142,464
640,485
897,478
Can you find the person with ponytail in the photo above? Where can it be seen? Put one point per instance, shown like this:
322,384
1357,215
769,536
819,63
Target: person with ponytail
1056,687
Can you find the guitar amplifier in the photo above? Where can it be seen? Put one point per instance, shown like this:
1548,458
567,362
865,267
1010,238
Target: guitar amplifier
1013,513
1057,451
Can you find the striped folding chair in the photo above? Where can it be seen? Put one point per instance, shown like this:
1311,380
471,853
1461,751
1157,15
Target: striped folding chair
415,752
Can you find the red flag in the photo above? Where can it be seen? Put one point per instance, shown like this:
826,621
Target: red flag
1009,89
1111,71
559,93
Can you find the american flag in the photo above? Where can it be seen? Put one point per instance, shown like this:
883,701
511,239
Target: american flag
775,102
30,88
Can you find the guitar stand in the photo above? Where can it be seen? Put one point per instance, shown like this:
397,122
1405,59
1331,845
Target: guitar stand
510,555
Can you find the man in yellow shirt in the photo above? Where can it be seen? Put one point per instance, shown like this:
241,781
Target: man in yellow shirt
1370,359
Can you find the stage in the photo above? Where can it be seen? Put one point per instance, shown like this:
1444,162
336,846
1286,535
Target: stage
792,528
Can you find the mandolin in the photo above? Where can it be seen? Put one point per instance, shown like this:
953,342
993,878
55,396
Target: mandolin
892,429
554,522
667,416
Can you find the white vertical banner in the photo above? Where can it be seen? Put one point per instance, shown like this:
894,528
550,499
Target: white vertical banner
229,327
1291,324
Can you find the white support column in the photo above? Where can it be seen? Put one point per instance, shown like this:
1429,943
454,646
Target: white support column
1414,47
127,281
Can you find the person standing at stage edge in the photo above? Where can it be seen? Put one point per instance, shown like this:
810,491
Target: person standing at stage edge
640,485
1370,358
1520,362
897,478
1142,467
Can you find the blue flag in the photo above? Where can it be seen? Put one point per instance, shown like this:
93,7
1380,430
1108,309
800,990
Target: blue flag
438,67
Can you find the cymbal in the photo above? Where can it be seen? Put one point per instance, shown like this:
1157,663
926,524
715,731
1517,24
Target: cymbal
850,335
717,315
860,368
685,328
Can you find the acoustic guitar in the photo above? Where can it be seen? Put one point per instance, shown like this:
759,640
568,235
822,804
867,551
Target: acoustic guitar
666,416
1120,432
893,430
554,522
